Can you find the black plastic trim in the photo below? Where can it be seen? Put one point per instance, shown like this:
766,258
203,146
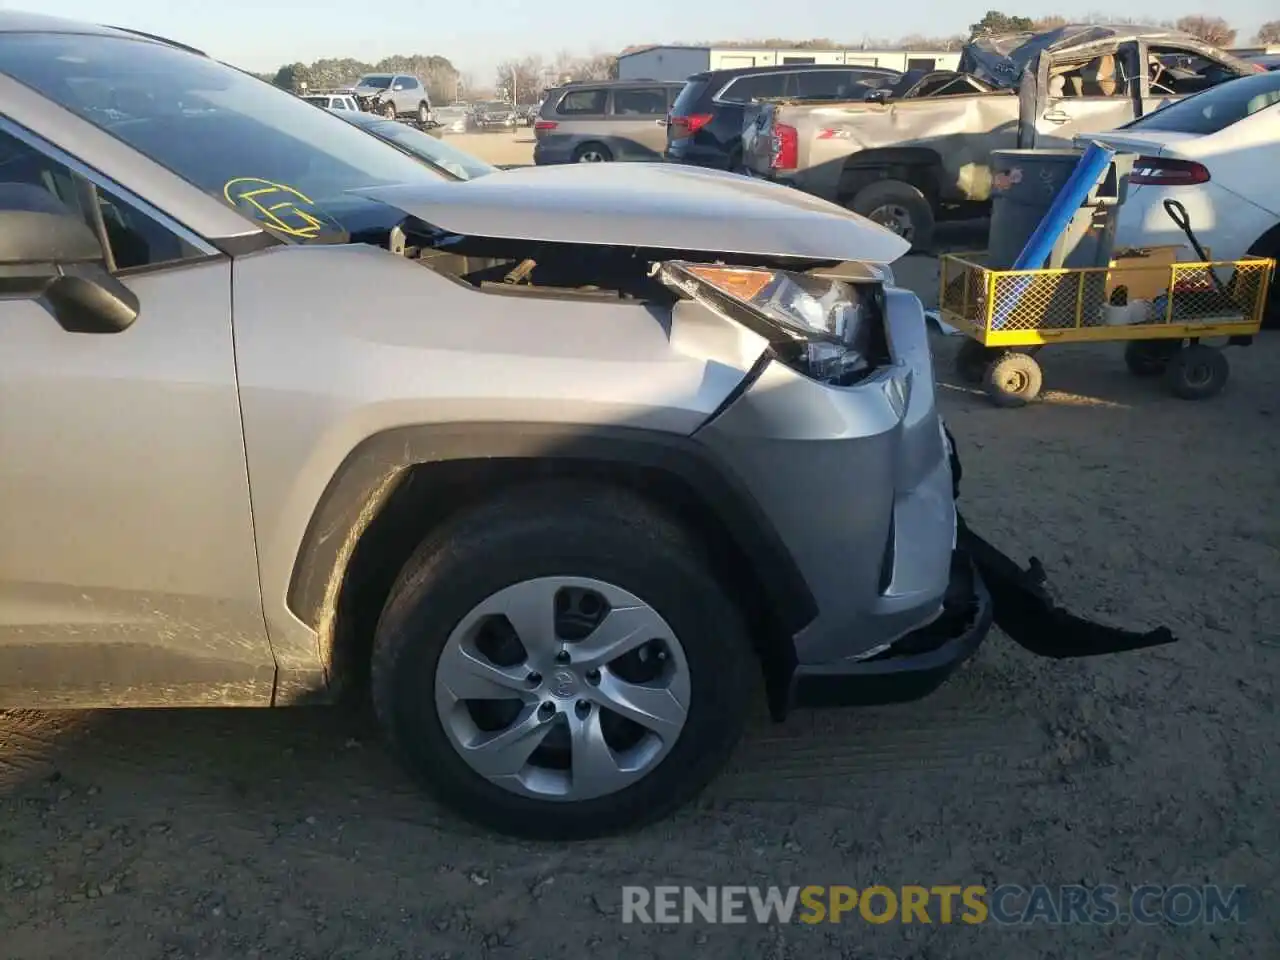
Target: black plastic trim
247,243
369,474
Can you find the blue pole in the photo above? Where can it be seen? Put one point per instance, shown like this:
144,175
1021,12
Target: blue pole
1089,170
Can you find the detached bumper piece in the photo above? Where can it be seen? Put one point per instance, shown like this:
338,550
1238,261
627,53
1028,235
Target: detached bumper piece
1029,617
1025,611
914,666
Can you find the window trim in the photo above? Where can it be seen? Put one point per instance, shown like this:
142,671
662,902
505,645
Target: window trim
204,248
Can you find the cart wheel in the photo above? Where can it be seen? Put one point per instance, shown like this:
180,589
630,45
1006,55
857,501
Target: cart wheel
1013,380
971,361
1197,372
1149,358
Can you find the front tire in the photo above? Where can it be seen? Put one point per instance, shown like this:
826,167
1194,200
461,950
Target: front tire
388,110
1013,380
424,113
1197,372
559,664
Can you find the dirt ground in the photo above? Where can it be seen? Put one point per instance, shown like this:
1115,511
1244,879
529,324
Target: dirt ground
497,147
245,834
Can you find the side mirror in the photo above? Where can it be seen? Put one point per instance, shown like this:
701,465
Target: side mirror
397,86
57,259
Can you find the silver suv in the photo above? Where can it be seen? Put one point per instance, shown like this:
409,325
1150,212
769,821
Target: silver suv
594,122
287,414
394,95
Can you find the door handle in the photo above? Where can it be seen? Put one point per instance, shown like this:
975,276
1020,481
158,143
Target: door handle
1056,116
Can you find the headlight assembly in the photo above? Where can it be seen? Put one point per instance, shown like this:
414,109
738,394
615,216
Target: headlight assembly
829,329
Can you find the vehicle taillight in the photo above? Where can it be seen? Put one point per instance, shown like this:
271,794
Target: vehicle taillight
786,147
688,126
545,125
1166,172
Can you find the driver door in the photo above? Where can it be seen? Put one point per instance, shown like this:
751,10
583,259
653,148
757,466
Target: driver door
128,568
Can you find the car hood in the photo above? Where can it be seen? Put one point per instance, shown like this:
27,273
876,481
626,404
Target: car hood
650,205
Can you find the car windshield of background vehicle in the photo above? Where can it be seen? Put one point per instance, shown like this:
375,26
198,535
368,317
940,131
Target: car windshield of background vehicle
241,140
374,82
1216,108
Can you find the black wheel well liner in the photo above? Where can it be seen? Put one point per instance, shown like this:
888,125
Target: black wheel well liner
398,485
919,166
1268,244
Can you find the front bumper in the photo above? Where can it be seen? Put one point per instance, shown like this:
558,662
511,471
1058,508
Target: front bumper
916,664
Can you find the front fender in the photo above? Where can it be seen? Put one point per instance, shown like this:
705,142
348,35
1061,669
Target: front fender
336,345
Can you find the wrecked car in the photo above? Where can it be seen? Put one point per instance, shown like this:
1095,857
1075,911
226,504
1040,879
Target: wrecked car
922,152
551,463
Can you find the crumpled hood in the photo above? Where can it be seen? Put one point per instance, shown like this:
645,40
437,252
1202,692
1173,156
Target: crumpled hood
649,205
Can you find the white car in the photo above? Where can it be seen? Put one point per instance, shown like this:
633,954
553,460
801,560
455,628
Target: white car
333,101
1218,154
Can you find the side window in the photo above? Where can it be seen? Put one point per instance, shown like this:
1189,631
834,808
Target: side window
829,84
31,180
409,83
757,87
1175,72
583,102
338,103
641,101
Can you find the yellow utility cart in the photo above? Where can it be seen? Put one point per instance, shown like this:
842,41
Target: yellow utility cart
1162,308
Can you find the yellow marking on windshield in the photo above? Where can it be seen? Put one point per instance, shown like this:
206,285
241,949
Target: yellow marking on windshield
285,215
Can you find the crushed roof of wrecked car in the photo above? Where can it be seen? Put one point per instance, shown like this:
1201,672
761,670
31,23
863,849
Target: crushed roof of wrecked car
1000,59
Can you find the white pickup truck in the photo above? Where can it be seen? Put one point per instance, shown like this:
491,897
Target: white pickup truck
920,151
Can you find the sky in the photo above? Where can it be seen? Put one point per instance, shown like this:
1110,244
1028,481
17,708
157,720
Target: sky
476,35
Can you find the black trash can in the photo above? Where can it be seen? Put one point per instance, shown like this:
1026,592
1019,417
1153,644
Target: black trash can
1024,185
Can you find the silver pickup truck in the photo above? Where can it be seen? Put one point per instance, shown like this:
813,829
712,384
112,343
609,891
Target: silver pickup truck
920,151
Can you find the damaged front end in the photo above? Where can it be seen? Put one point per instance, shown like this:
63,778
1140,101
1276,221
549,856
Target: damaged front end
986,588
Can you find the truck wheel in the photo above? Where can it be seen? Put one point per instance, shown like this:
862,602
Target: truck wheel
424,113
1197,372
389,110
1014,380
560,664
899,206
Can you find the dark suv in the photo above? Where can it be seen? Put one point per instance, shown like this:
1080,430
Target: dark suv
593,122
705,126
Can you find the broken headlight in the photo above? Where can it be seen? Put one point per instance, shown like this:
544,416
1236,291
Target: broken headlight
824,327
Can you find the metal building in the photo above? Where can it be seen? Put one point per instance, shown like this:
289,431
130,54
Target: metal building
677,63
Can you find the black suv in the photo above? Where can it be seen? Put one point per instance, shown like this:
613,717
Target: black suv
705,125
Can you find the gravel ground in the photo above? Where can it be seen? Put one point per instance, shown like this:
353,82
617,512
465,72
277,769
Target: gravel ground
290,834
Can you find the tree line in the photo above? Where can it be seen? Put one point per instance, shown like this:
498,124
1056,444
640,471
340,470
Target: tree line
524,79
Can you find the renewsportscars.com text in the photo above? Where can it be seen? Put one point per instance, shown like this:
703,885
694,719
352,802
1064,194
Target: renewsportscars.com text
1008,904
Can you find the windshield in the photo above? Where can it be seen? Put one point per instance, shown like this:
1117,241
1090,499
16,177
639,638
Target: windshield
273,156
1216,108
494,106
374,81
431,149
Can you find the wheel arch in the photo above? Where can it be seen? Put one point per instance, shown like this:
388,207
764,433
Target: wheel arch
396,486
919,166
